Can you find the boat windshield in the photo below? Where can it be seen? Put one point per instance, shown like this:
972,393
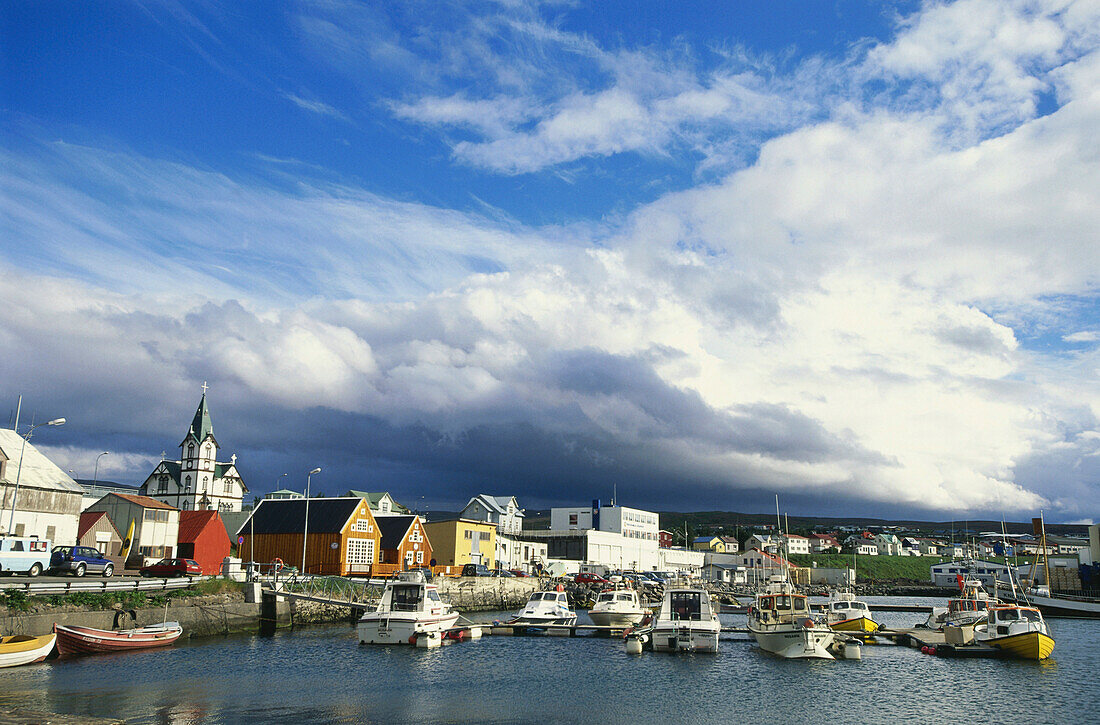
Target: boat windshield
606,598
624,597
405,598
685,605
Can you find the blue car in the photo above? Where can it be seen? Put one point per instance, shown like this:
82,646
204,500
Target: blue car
80,560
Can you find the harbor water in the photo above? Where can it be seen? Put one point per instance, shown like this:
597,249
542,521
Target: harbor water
320,674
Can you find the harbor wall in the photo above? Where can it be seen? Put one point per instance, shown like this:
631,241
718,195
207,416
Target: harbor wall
476,594
197,620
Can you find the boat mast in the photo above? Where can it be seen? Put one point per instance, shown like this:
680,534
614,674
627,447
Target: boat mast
1043,540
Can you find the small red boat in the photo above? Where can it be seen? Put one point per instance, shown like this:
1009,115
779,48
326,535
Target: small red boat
84,640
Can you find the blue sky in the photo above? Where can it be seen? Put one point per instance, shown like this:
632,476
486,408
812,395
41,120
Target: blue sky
846,251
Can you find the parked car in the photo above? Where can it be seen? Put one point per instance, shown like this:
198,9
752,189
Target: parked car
586,577
172,567
519,573
79,560
503,573
476,570
24,554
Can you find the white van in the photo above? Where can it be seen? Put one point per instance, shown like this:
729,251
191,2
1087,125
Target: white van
28,554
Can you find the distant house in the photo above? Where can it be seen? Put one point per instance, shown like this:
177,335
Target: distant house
49,501
343,536
707,543
463,541
797,544
404,542
822,543
888,544
202,537
97,531
381,503
503,511
664,539
763,542
156,526
860,545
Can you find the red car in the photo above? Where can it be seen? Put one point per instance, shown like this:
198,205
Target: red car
589,578
172,567
519,572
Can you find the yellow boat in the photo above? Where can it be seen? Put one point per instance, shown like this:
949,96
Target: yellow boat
1018,631
848,614
22,649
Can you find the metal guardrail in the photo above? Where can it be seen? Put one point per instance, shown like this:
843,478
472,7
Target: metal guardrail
100,586
333,590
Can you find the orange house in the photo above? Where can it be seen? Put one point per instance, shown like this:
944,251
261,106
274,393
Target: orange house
404,542
342,539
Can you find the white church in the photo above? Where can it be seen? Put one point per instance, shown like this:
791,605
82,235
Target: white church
198,481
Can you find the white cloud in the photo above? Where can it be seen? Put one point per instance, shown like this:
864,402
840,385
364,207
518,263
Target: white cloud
1082,336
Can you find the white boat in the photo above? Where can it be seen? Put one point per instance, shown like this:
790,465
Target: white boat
547,607
848,614
780,621
22,649
1064,605
618,607
1016,630
410,608
686,623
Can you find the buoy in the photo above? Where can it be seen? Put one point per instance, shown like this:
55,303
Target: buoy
560,588
475,632
412,639
634,646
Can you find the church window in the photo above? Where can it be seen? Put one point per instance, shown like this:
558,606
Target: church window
162,485
187,483
191,451
229,486
186,505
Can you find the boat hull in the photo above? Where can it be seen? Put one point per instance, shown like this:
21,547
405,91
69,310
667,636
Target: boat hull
1059,607
615,619
24,650
390,628
859,624
1026,645
796,643
684,638
534,621
88,640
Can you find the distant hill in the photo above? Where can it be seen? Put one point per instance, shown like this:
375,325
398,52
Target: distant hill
707,522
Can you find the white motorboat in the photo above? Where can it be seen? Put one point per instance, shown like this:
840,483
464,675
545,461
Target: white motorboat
547,607
969,608
848,614
687,622
619,607
410,608
780,621
1016,630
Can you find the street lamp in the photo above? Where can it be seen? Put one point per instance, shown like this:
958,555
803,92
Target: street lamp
95,476
305,524
19,470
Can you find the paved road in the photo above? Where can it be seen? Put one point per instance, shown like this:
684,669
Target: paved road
21,578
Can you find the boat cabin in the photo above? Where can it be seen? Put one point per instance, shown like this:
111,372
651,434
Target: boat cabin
782,606
1004,617
549,597
616,596
967,605
851,605
410,592
687,605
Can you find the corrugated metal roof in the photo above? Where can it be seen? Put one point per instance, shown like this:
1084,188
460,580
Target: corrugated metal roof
393,530
143,501
88,519
287,516
193,522
38,470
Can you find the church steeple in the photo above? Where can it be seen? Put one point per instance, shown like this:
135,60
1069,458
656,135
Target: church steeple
201,426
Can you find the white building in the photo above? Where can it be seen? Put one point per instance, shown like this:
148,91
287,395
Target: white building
797,544
605,548
156,526
681,561
522,554
888,544
49,500
763,542
198,481
504,511
631,523
947,574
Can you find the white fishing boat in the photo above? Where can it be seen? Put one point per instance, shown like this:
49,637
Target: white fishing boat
1016,630
969,608
619,607
410,608
686,623
545,608
780,621
848,614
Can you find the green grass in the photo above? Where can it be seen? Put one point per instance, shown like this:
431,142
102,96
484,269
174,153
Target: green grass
878,568
18,601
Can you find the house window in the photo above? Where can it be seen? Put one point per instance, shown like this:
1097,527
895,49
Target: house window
51,532
362,525
572,519
360,552
149,515
384,507
409,557
469,534
420,557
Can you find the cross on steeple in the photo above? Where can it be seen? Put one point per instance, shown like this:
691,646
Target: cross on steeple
204,387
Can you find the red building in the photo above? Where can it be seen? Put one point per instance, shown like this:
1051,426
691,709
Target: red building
664,539
203,538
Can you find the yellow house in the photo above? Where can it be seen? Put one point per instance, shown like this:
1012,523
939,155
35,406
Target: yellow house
462,541
708,543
